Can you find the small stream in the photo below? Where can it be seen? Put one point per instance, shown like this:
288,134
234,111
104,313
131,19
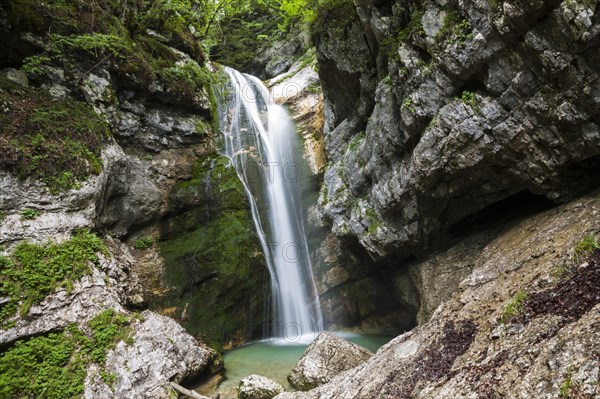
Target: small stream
273,359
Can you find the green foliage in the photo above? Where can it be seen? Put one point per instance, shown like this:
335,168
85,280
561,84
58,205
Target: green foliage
2,216
293,11
57,141
455,30
565,387
356,140
334,15
468,98
33,271
108,328
32,64
408,104
54,366
413,28
588,244
30,214
515,307
373,221
181,21
97,45
242,33
144,242
42,367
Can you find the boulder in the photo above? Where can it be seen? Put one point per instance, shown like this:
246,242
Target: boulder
160,351
16,76
258,387
325,358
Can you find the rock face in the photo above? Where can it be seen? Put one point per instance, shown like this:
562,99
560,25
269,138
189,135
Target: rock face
486,342
158,185
258,387
299,88
161,351
325,358
436,110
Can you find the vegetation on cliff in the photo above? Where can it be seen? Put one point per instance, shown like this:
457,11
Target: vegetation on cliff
54,366
57,141
216,251
33,271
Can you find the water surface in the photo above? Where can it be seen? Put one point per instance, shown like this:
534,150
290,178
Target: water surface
273,359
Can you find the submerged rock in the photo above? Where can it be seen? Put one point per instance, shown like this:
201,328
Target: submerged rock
326,357
258,387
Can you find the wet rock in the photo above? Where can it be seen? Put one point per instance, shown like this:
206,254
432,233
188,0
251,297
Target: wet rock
258,387
326,357
301,91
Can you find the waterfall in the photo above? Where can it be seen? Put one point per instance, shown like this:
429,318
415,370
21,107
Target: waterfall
260,141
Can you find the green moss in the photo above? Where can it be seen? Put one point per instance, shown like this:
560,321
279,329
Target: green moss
34,271
356,141
373,221
55,141
515,307
54,366
333,15
215,243
186,79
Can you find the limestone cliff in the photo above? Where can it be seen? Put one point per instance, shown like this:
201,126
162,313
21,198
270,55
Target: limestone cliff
438,109
523,323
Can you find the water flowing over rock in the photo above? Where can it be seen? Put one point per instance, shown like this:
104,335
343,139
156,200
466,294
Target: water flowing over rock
258,387
260,141
325,358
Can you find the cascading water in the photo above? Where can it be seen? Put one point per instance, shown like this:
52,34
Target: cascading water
260,141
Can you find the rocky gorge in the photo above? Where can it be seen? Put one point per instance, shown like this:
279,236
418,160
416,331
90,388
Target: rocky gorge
453,154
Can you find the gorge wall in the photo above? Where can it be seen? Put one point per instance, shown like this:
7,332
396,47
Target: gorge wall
439,112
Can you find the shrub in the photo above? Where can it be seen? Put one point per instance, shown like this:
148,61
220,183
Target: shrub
143,242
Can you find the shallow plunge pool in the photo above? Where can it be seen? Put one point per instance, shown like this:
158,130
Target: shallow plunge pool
273,359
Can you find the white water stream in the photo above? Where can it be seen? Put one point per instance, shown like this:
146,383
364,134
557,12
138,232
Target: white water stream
260,140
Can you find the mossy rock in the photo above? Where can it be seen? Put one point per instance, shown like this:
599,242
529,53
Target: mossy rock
213,258
57,141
